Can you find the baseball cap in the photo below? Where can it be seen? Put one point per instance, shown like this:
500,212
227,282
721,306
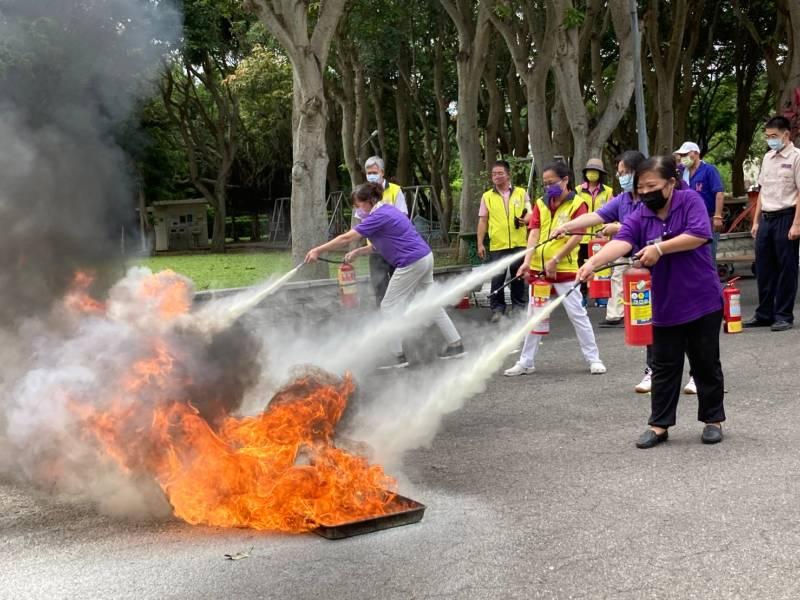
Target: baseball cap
687,147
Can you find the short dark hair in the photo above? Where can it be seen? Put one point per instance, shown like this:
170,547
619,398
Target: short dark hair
663,165
502,163
561,169
631,159
778,122
367,192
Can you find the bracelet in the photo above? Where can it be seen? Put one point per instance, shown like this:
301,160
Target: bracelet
658,247
717,217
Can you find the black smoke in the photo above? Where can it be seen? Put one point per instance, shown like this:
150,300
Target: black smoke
71,74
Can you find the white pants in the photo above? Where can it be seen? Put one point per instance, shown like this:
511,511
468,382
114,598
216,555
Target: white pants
615,309
576,312
405,282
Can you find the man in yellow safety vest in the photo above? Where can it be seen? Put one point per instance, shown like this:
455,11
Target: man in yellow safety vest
381,271
504,214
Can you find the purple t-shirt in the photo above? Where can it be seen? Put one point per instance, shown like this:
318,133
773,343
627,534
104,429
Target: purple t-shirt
393,236
618,208
685,284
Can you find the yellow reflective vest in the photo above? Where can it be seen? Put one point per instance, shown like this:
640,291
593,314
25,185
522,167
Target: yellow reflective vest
502,232
390,193
603,196
550,221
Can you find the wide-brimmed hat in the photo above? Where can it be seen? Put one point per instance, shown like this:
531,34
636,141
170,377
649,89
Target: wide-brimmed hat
687,147
595,164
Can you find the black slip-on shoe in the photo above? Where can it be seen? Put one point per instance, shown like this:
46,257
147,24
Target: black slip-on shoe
611,323
449,352
399,362
711,434
781,326
650,438
755,322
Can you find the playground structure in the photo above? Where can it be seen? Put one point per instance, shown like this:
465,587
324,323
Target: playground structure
422,201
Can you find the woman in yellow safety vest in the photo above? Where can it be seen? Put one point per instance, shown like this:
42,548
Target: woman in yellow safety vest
596,193
555,263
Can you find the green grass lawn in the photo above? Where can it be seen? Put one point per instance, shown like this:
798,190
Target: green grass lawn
231,270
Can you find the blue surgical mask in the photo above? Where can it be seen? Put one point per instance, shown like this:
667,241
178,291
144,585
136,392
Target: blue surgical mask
373,178
626,182
776,145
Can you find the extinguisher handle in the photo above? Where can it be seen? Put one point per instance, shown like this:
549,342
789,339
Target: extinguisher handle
731,281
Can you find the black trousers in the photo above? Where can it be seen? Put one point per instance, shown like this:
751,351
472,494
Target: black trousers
380,272
776,267
583,256
699,340
519,291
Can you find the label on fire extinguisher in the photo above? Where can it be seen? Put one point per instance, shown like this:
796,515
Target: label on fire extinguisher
640,303
540,296
735,306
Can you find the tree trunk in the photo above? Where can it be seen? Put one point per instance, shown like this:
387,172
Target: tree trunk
474,34
589,141
518,126
310,162
562,136
494,118
288,22
666,63
220,216
403,171
791,66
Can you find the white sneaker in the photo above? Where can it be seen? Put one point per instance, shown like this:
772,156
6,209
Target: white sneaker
690,388
518,369
597,368
645,384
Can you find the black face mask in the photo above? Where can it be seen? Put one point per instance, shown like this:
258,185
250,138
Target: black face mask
655,201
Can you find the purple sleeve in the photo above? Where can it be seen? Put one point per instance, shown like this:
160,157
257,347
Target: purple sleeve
696,221
371,224
609,212
631,230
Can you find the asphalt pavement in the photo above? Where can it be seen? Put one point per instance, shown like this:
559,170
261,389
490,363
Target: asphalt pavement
534,490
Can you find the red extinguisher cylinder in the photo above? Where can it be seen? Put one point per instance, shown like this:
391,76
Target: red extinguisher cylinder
540,296
732,307
600,285
638,299
348,286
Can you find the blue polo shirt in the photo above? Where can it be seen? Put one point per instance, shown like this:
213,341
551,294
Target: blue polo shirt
707,182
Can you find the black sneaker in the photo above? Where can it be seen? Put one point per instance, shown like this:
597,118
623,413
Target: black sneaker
400,362
455,351
611,323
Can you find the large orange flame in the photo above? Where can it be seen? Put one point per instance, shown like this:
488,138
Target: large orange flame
276,471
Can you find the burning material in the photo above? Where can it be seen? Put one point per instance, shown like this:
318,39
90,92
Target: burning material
278,470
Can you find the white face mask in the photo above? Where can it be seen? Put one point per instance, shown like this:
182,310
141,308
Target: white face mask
687,161
373,177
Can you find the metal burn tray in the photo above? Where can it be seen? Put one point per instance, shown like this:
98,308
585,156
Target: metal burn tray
408,512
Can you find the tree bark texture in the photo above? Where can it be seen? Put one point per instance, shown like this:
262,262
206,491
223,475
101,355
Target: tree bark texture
525,27
589,140
474,34
288,22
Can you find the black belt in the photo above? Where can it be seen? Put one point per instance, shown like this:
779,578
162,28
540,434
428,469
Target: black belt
774,214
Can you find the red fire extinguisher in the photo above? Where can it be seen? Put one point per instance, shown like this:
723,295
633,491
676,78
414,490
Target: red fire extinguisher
348,287
732,304
638,299
600,285
540,296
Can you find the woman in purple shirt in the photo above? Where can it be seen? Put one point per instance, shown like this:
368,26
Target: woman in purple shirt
671,229
394,237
